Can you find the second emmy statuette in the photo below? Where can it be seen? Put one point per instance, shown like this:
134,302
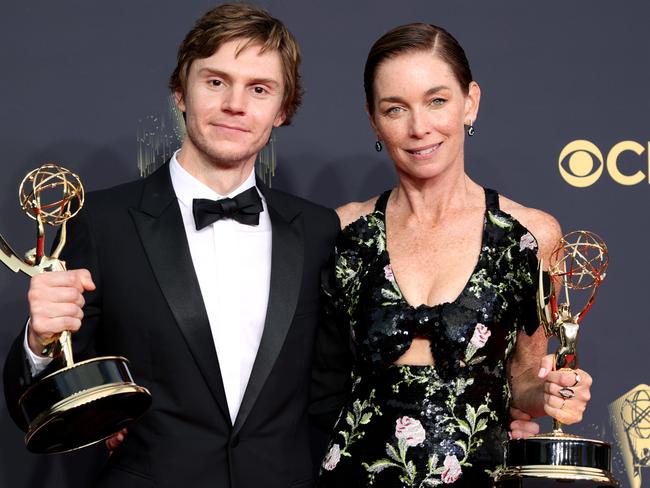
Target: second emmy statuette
577,264
85,402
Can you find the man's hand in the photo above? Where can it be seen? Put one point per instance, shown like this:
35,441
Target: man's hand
55,304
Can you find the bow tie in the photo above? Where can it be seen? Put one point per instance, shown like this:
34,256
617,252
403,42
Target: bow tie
245,208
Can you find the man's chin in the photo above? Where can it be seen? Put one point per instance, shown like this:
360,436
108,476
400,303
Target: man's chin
224,153
230,160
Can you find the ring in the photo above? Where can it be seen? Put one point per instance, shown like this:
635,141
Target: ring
567,393
578,378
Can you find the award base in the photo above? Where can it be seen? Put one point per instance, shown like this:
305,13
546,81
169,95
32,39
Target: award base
81,405
556,459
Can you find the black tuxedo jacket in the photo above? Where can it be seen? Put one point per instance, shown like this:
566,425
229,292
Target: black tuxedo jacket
148,308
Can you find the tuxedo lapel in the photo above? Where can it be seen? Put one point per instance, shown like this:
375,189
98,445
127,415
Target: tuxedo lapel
160,226
287,253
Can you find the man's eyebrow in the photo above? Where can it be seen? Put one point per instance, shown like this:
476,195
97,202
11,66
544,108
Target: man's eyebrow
265,81
222,74
213,71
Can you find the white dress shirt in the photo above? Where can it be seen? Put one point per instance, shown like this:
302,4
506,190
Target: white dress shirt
232,262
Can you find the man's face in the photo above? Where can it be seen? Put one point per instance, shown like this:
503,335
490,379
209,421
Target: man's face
231,103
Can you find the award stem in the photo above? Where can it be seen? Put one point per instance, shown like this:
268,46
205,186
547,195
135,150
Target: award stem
66,348
61,243
40,240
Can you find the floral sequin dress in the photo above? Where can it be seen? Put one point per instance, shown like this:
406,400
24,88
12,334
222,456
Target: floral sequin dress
422,426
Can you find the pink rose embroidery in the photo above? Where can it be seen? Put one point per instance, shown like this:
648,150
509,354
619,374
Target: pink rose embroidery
332,458
388,273
527,241
410,430
480,337
452,470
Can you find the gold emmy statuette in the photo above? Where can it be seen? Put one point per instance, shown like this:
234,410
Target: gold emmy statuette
577,266
86,402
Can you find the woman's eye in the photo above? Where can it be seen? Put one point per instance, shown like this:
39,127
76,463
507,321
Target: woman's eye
393,110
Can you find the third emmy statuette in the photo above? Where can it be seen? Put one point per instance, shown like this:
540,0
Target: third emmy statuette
85,402
577,267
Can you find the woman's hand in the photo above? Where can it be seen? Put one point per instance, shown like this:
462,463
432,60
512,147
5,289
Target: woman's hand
522,425
566,392
115,440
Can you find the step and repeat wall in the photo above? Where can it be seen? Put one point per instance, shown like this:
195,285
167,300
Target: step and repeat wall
563,126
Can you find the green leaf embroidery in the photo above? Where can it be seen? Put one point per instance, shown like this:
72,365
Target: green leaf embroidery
392,453
379,465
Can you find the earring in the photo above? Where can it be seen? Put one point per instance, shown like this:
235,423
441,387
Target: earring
378,146
267,160
470,129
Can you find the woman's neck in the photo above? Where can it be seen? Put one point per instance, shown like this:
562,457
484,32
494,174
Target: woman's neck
431,199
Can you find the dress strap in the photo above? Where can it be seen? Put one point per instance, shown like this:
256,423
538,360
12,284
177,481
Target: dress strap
382,201
491,199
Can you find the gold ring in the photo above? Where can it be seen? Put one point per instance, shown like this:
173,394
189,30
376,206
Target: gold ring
567,393
578,378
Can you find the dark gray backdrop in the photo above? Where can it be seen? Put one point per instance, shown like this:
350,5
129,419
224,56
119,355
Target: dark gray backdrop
78,76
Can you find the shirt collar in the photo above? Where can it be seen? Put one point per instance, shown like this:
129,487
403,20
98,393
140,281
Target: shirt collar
187,187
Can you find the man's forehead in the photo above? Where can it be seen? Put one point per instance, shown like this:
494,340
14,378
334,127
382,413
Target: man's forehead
245,53
246,47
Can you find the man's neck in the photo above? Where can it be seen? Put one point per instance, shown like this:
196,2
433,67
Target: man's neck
221,178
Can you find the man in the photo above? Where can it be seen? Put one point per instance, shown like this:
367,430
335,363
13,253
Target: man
217,317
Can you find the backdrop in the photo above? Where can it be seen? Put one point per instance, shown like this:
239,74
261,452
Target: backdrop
563,126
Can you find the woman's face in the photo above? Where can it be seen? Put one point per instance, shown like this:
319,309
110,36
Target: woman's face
420,111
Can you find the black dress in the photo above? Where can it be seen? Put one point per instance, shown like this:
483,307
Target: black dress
422,426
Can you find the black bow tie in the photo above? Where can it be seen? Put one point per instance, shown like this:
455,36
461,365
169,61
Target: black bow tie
245,208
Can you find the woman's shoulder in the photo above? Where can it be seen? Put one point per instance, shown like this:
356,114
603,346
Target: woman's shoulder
543,226
353,211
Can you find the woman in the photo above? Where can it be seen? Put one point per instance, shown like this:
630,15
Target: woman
435,280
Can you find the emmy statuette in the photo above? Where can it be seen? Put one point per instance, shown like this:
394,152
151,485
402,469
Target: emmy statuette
578,263
86,402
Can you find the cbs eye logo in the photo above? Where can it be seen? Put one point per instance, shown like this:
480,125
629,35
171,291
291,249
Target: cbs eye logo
581,163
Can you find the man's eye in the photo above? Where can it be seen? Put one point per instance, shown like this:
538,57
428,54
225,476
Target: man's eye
259,90
216,82
438,101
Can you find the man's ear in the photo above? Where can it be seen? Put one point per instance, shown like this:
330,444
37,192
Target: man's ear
279,119
179,99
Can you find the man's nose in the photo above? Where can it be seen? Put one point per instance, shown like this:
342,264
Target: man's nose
234,100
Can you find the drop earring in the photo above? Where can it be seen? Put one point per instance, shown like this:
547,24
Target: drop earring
470,129
378,146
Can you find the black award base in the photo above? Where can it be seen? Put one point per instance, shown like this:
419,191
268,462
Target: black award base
81,405
556,460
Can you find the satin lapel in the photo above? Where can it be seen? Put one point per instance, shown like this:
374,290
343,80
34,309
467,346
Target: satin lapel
160,226
287,255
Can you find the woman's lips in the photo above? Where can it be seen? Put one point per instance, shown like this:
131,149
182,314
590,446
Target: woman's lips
424,151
